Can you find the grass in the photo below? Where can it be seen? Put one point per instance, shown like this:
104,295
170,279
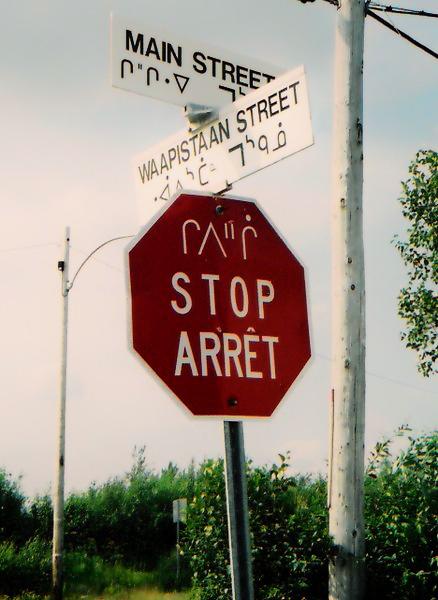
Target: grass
91,578
149,594
139,594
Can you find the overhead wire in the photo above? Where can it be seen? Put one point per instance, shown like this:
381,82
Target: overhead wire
393,380
29,247
396,10
401,11
401,33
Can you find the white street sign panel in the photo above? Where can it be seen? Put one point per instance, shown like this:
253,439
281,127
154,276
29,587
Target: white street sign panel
148,61
252,133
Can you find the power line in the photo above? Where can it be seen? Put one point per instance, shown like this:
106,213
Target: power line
402,33
396,10
29,247
384,377
114,239
401,11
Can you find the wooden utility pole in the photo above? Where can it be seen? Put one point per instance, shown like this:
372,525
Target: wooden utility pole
346,470
58,488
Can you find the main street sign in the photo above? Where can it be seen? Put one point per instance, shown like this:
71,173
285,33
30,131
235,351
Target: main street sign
254,132
218,306
168,67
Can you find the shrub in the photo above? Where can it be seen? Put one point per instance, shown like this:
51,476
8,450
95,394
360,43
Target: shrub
25,569
14,519
90,574
288,530
107,518
401,513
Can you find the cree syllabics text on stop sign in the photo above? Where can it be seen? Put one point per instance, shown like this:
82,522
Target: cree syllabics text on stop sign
254,132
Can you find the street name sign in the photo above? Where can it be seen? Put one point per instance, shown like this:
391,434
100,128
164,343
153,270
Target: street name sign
218,305
252,133
151,62
179,510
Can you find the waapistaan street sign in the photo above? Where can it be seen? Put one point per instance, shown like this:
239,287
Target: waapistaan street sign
252,133
165,66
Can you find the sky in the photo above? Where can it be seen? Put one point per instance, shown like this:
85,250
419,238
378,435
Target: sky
67,147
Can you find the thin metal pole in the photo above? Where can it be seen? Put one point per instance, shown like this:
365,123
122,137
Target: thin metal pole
58,491
177,551
346,581
237,510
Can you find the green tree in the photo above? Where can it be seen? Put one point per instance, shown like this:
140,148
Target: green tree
418,301
289,534
401,513
14,518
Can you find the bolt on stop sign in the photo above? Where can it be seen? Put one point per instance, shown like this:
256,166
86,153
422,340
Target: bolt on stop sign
218,305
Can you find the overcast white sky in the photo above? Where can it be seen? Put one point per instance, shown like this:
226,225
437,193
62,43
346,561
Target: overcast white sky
67,140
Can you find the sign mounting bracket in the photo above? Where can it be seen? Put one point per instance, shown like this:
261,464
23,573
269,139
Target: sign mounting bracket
199,115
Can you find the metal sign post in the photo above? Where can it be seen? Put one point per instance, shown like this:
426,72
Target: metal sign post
217,339
237,510
179,516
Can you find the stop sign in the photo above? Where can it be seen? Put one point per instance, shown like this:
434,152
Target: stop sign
219,306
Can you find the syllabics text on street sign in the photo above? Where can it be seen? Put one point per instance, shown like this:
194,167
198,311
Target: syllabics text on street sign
154,63
252,133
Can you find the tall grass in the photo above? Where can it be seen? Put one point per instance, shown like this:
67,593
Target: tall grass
90,574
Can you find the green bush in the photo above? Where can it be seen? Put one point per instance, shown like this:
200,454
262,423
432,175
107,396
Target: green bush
165,573
41,517
14,518
90,574
401,515
290,542
106,519
25,568
289,536
125,525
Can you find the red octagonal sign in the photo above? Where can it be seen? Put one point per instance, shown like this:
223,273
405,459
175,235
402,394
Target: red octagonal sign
219,306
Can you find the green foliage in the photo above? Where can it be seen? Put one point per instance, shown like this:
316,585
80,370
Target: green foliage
107,518
41,517
289,536
290,533
288,521
90,574
206,534
165,573
116,528
14,521
401,513
25,568
418,301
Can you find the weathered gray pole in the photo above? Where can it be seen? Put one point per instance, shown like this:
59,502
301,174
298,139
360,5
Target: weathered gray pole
237,509
346,581
177,551
58,488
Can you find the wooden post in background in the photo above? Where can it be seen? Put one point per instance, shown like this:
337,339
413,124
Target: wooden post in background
58,488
